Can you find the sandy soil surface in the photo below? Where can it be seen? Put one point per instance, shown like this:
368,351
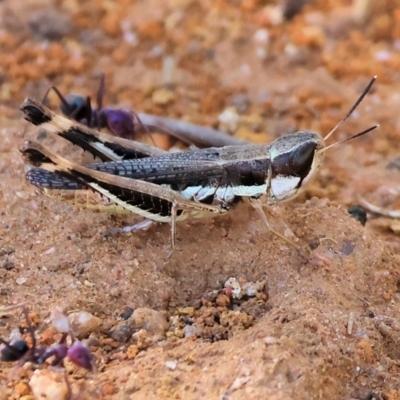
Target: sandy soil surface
325,327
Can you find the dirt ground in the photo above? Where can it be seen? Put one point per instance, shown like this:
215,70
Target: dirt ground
324,327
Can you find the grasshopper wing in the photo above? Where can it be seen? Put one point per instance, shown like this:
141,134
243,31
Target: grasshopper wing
104,146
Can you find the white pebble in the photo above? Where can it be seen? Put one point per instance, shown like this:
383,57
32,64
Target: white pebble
51,250
59,320
171,364
261,36
83,323
239,382
382,55
191,330
21,280
47,384
154,322
274,14
131,38
236,289
229,119
268,340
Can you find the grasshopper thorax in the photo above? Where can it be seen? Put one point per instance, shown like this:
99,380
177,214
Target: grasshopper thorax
294,160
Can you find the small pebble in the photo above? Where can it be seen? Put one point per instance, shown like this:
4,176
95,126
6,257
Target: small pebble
261,36
83,323
8,266
132,351
384,329
143,341
126,313
115,292
241,102
269,340
223,300
47,384
163,96
191,330
293,7
238,383
252,288
51,250
122,333
211,296
272,15
229,119
21,280
168,69
22,389
108,389
186,310
59,320
154,322
235,287
358,213
394,164
6,251
347,247
171,365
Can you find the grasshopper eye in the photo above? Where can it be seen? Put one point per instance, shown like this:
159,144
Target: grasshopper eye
301,160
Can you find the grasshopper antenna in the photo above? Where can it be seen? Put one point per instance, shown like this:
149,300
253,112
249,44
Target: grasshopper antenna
350,138
355,105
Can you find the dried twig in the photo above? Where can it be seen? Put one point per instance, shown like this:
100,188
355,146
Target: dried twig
380,210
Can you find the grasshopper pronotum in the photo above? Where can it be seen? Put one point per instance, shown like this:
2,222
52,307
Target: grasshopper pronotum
172,187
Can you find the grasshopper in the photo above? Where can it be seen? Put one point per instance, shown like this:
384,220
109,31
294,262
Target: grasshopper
167,187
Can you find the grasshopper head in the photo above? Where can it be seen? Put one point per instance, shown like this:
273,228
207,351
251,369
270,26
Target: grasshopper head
294,160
